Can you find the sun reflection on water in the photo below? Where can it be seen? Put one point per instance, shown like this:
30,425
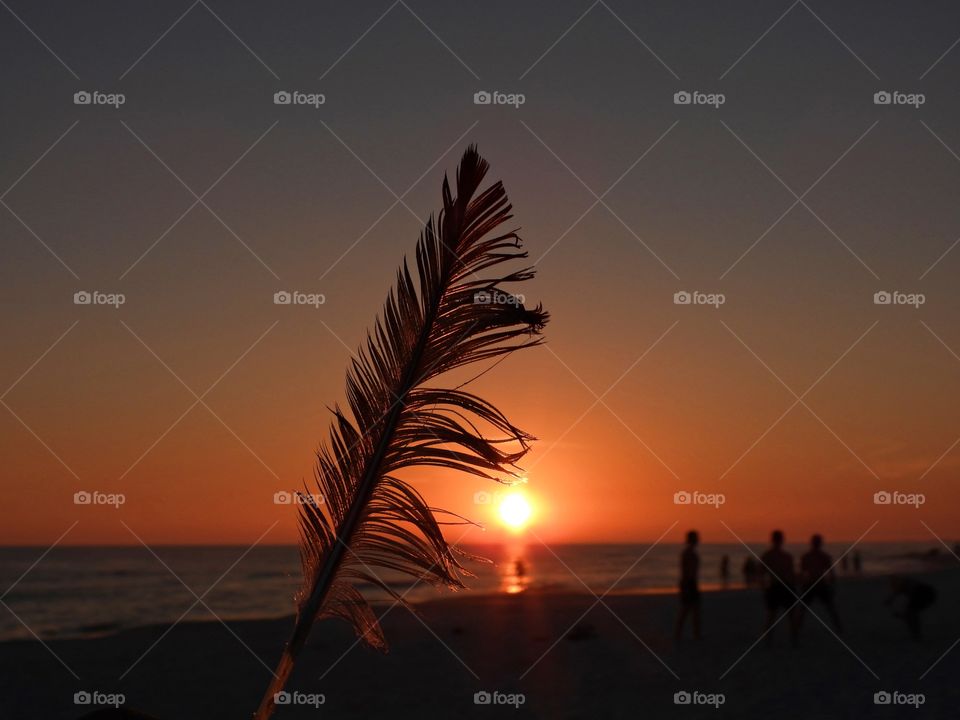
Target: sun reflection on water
515,570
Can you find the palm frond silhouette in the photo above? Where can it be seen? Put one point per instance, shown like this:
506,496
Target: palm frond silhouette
455,315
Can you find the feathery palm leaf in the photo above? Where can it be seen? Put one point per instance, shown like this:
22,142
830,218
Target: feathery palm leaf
452,317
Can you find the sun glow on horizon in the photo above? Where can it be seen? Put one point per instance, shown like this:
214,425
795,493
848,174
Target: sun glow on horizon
515,511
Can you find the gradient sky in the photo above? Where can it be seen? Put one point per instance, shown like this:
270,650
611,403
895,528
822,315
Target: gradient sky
697,393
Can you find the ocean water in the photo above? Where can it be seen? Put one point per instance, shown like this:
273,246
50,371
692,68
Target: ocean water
89,591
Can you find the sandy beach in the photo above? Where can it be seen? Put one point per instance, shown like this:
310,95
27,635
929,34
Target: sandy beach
566,655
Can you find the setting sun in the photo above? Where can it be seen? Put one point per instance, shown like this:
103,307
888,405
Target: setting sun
515,511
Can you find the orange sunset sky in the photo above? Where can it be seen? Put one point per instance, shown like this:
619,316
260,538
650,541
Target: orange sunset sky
199,398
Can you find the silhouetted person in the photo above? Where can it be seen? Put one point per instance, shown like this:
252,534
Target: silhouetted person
779,584
918,597
689,585
749,571
857,562
725,570
818,581
843,564
519,569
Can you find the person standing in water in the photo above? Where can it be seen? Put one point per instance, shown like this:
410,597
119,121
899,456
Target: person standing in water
779,582
818,580
689,586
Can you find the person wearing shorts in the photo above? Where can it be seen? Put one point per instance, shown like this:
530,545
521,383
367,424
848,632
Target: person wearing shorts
818,581
779,583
